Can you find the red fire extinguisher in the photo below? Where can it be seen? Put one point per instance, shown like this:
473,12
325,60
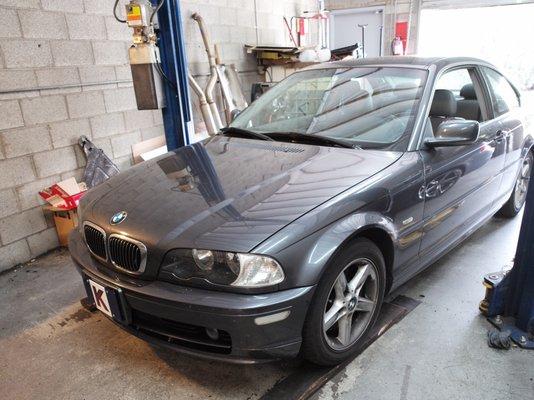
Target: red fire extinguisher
397,48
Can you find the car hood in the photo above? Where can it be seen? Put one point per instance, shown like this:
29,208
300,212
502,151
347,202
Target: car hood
227,193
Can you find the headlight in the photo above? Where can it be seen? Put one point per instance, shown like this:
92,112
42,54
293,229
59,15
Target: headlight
204,259
222,268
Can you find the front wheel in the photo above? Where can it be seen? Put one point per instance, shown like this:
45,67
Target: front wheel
518,197
346,304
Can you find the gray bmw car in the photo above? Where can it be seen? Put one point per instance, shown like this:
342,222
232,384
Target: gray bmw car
282,234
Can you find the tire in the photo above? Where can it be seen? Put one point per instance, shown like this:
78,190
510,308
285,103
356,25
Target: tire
332,345
515,203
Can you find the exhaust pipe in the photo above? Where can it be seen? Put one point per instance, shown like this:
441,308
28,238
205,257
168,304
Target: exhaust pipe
213,71
204,106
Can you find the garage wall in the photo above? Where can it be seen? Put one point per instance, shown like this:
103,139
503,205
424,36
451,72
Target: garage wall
64,73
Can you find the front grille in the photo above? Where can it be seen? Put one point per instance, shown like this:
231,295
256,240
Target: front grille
181,334
126,253
96,240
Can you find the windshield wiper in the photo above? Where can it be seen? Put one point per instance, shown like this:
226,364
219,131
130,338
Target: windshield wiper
305,137
230,130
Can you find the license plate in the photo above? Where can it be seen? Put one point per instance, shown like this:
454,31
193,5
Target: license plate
100,298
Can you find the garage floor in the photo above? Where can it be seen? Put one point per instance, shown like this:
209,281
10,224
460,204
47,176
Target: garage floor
51,348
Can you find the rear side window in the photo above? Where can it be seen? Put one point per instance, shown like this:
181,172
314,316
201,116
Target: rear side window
503,96
454,81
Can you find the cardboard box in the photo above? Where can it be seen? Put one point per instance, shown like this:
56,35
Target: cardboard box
148,149
65,221
64,195
63,198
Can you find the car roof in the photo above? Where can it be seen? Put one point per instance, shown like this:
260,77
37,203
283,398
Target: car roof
415,61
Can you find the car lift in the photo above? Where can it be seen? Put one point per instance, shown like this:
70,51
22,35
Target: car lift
159,66
177,116
509,301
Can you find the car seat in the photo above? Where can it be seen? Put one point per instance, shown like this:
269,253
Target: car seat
468,107
443,108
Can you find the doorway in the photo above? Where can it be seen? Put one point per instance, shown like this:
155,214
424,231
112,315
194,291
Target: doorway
501,35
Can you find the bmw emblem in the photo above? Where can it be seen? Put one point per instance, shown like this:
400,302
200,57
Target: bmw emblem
118,218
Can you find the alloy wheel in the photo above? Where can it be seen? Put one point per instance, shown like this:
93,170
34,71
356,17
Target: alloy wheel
521,186
351,304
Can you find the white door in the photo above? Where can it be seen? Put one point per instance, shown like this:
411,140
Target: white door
344,30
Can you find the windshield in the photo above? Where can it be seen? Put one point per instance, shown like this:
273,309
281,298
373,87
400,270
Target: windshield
373,107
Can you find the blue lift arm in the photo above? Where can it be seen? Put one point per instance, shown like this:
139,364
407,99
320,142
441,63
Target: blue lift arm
520,297
509,302
177,116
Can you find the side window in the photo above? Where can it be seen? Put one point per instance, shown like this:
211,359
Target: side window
503,96
455,98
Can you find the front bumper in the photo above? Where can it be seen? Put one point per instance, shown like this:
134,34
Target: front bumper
177,316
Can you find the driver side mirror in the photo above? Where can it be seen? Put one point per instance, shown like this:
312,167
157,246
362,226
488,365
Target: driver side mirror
455,133
234,113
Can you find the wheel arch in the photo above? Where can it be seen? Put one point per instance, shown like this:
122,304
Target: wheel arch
528,145
308,259
384,242
382,239
373,226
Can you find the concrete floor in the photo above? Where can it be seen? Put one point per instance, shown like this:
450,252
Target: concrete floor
439,350
51,348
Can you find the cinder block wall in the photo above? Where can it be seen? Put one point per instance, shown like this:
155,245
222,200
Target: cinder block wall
64,73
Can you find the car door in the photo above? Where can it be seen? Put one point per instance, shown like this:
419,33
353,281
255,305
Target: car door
461,182
507,113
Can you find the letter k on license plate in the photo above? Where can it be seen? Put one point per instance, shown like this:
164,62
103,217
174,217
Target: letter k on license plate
100,297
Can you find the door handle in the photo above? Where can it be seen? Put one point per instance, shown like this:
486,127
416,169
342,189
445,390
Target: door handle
433,189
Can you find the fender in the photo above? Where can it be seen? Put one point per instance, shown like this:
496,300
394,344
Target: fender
306,260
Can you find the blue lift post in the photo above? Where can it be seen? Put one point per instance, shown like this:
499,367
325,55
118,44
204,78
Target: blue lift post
509,302
177,114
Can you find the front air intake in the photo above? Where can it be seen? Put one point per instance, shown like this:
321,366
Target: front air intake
95,238
127,254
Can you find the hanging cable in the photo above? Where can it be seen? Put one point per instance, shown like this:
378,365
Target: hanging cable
122,21
162,73
160,4
165,77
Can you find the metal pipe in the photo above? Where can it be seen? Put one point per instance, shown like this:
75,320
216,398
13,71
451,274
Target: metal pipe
327,36
256,23
363,38
65,86
204,106
380,41
212,81
248,71
409,31
210,87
